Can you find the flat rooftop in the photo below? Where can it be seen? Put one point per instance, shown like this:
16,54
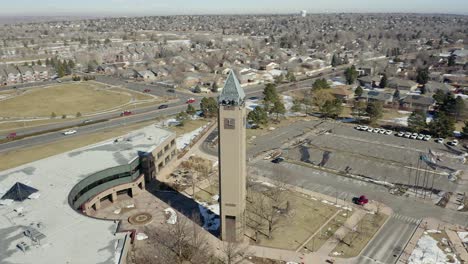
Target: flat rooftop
70,237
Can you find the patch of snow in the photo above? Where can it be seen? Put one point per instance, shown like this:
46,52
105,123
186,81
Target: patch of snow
6,202
210,214
117,211
141,236
463,236
252,104
35,195
427,251
288,102
399,120
130,206
185,139
433,231
215,197
404,112
172,216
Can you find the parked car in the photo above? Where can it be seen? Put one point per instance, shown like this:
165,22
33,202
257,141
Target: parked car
414,136
12,135
163,106
400,134
361,200
191,100
69,132
87,121
358,127
370,129
147,90
439,140
420,136
277,160
407,135
426,138
453,142
388,132
382,131
364,128
126,113
170,90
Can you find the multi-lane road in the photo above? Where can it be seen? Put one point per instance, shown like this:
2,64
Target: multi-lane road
138,115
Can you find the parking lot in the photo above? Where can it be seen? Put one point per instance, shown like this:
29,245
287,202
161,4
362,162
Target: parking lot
379,156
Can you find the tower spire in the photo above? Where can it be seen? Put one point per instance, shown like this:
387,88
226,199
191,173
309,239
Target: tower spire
232,93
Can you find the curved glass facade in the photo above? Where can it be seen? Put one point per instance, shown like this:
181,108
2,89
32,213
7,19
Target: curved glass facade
102,181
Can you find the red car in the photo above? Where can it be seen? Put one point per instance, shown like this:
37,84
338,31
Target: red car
147,90
361,200
11,135
126,113
191,101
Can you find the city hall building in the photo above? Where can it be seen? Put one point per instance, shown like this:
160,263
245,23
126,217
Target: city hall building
44,204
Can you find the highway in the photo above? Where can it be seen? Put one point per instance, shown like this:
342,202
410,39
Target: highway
138,115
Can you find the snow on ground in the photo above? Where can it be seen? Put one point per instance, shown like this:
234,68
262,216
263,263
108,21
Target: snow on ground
288,102
185,139
210,214
463,236
400,120
172,219
251,104
427,252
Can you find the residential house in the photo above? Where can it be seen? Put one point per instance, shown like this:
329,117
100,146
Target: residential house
369,81
247,75
26,74
145,75
376,96
417,102
401,84
343,92
40,73
365,71
13,75
432,87
461,56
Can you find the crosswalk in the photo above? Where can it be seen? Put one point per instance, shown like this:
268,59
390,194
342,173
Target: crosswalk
404,218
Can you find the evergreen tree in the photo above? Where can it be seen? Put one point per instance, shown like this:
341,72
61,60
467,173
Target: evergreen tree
442,125
320,84
209,106
190,109
334,61
451,61
258,116
214,87
358,92
290,77
417,121
39,62
465,130
296,107
396,95
375,111
351,74
278,108
270,96
359,109
332,108
439,96
423,75
383,81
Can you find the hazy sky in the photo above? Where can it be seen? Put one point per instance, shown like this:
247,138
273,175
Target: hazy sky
160,7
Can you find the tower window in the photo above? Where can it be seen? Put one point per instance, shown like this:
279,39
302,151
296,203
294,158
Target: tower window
229,123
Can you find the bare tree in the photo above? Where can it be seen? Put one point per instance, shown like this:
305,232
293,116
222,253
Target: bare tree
233,253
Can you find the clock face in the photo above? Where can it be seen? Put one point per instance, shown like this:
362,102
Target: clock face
229,123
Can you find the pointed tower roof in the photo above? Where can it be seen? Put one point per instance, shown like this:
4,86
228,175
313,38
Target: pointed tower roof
232,93
19,192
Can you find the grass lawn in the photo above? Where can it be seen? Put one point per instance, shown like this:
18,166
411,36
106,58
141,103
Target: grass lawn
205,195
327,231
366,229
189,126
18,157
389,114
306,216
265,130
66,98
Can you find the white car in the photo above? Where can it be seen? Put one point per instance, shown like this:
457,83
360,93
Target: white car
382,131
426,138
420,136
388,132
440,140
364,128
401,134
414,136
453,142
69,132
376,130
370,129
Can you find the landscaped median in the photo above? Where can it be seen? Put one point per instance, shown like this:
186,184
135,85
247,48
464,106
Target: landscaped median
359,236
